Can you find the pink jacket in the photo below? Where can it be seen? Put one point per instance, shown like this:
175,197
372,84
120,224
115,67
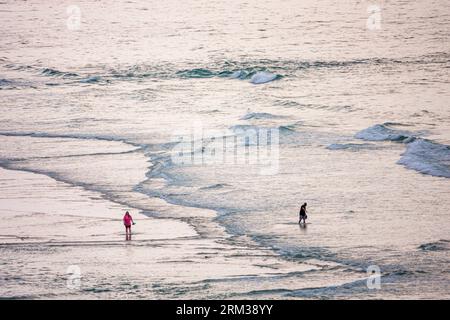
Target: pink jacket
127,220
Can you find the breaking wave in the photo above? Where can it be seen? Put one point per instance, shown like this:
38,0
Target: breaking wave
263,77
422,155
256,71
384,132
427,157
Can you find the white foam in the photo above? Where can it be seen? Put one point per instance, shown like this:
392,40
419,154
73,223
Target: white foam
262,77
238,74
427,157
90,79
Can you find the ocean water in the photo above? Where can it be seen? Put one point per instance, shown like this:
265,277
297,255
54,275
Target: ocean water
246,110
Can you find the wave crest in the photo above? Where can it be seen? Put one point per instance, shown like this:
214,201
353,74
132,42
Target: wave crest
422,155
383,132
441,245
259,115
427,157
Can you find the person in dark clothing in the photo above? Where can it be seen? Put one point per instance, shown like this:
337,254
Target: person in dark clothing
302,213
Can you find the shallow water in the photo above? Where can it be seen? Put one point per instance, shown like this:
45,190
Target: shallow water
359,128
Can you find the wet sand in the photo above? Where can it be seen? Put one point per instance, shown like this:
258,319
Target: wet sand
53,229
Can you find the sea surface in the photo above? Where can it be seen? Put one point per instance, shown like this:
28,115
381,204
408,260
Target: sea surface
213,121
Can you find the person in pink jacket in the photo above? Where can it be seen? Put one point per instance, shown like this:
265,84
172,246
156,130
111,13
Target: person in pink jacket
127,221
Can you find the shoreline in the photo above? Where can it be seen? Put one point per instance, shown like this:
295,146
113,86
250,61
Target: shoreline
94,208
162,252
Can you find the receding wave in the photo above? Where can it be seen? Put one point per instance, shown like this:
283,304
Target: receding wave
68,136
215,186
349,288
246,128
